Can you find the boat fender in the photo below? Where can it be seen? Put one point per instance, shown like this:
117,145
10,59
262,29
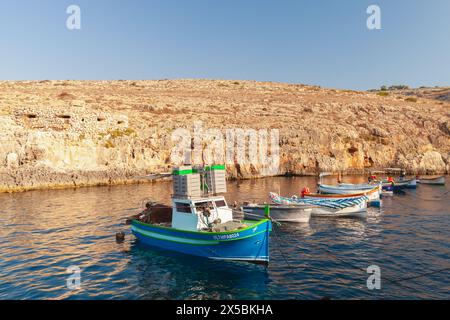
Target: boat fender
120,237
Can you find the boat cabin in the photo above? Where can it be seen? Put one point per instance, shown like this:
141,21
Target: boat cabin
195,214
195,203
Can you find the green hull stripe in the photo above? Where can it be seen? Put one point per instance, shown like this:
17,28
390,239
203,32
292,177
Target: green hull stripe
174,239
188,240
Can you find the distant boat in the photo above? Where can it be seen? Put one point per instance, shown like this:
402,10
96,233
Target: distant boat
390,184
278,212
400,184
345,188
372,190
440,180
353,207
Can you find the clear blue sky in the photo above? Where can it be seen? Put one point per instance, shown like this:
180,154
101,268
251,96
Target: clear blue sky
321,42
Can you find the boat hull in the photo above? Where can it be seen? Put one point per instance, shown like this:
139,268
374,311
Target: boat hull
433,181
356,211
351,207
346,189
408,184
250,244
298,214
373,195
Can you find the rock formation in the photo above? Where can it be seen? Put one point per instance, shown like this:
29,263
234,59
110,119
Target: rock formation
75,133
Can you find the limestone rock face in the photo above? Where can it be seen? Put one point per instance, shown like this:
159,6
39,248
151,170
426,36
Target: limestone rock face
12,160
76,133
431,161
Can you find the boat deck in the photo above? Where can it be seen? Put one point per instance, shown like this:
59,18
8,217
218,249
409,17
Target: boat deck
161,215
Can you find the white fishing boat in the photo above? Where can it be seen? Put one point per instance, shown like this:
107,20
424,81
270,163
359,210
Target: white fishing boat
373,195
278,212
373,190
439,180
353,207
355,211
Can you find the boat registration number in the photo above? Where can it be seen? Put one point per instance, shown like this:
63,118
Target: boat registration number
226,236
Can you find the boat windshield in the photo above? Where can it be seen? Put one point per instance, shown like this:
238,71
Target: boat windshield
220,203
202,206
183,207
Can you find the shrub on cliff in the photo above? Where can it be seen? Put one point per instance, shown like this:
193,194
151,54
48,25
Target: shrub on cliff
66,96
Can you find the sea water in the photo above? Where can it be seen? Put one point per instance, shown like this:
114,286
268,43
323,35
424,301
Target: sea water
60,244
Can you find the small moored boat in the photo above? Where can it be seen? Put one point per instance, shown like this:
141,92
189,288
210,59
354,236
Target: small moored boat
353,207
278,212
390,184
400,184
345,188
373,195
440,180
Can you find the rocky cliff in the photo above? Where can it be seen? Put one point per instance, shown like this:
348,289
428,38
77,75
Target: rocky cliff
75,133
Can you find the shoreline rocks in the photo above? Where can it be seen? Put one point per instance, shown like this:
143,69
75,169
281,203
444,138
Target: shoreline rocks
84,133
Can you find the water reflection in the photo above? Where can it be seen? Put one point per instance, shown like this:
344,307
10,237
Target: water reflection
163,274
44,232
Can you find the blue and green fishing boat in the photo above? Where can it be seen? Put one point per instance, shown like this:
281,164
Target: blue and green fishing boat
200,223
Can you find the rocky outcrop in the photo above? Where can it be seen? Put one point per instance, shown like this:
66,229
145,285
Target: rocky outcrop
437,93
77,133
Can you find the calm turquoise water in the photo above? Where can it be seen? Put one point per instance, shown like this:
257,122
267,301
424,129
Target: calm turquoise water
44,232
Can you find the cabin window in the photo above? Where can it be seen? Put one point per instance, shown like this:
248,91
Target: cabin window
220,203
183,207
201,206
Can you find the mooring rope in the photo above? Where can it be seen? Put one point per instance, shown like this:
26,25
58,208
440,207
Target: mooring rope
279,241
